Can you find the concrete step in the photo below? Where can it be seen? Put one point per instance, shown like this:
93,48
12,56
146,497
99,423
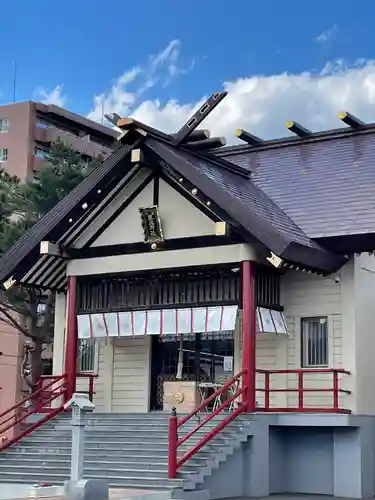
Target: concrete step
103,470
125,442
148,463
109,452
131,426
149,434
141,482
143,456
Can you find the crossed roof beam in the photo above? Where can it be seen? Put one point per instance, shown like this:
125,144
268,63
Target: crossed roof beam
194,139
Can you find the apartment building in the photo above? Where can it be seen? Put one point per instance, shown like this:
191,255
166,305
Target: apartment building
27,130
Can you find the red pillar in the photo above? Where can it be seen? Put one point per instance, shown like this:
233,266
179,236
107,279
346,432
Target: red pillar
249,333
71,342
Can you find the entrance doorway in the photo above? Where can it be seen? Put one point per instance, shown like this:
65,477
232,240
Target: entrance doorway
204,358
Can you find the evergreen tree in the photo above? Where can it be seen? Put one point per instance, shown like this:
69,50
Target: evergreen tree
21,205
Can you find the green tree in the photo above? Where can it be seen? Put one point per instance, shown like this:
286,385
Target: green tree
21,205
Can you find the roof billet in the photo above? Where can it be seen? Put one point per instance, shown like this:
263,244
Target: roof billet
297,141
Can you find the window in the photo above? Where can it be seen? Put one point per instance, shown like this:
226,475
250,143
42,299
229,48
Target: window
3,155
87,356
42,124
314,342
41,152
4,124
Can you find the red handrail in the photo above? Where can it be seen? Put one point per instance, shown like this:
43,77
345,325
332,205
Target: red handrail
17,414
335,390
91,376
174,463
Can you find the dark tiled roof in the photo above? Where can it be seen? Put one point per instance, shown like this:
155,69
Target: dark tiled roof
248,206
326,186
57,217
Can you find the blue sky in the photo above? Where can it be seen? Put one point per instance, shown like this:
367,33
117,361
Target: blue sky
157,59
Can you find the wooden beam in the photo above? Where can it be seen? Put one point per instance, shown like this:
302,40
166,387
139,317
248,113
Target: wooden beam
137,156
52,249
275,260
198,135
9,283
297,129
350,120
198,117
212,143
251,139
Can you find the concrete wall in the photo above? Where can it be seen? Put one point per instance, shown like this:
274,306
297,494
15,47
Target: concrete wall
18,139
317,455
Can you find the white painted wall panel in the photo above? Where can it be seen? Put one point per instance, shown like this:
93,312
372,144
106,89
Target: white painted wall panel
131,375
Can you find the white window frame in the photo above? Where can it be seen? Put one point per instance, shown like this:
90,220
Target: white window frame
4,155
304,342
95,368
4,125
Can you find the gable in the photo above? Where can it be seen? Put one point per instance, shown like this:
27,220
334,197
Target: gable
179,218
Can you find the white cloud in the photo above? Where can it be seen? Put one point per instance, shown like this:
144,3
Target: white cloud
160,69
262,104
54,97
326,35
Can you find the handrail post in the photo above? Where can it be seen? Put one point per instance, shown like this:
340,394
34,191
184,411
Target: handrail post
91,388
267,391
300,390
335,390
172,445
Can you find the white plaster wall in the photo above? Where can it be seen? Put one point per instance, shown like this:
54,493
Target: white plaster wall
131,375
270,355
59,334
179,218
305,295
103,372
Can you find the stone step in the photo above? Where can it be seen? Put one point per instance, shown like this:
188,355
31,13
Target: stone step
148,463
116,452
103,470
141,482
115,455
101,442
148,434
130,424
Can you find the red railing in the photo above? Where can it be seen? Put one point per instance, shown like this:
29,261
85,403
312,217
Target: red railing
301,390
13,419
232,392
91,381
49,388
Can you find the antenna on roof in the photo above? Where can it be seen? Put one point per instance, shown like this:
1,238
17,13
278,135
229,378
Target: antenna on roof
251,139
198,117
297,129
350,119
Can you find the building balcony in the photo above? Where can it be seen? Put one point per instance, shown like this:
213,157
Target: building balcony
81,144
